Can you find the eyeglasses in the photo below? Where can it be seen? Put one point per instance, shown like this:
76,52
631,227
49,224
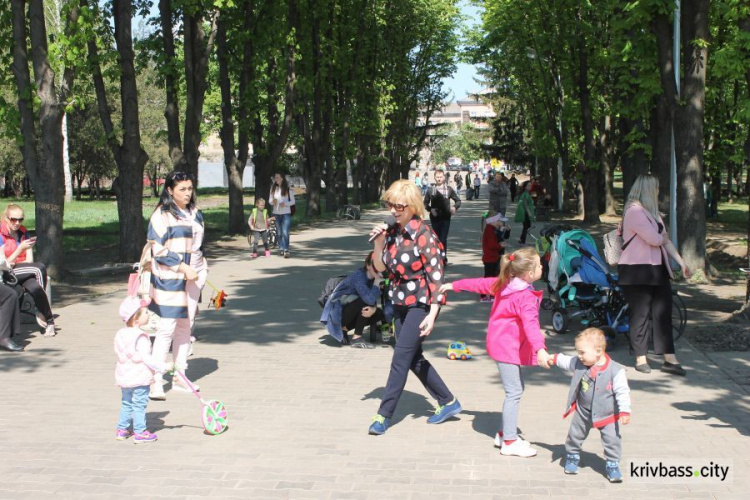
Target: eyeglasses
182,176
395,206
15,219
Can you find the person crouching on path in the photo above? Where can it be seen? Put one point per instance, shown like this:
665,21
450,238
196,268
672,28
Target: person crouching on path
411,253
135,371
438,202
514,338
353,305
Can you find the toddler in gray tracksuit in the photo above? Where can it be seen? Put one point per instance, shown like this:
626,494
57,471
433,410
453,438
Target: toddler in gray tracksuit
599,397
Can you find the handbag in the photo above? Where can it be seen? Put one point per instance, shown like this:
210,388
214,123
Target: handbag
139,282
293,209
614,245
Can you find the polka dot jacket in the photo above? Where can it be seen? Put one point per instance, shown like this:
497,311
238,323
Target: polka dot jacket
413,257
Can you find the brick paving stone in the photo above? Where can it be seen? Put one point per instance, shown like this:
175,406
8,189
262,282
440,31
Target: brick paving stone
299,406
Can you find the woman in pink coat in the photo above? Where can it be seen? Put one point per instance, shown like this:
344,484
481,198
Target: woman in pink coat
645,274
514,338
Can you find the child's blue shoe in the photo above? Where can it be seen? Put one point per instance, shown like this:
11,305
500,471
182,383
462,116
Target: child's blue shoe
443,413
571,463
613,471
379,425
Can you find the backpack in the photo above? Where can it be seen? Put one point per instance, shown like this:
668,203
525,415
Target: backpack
329,288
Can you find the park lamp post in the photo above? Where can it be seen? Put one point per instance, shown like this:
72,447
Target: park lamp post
531,54
673,155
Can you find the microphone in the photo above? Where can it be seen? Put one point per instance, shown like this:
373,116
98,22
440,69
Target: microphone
389,221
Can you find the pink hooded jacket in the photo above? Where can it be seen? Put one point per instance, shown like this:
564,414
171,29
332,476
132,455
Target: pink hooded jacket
513,333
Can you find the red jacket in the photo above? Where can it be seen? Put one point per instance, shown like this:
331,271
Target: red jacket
11,243
491,246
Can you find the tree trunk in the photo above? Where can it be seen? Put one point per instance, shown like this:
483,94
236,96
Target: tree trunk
608,167
591,172
45,168
172,107
664,109
233,166
197,49
129,155
691,227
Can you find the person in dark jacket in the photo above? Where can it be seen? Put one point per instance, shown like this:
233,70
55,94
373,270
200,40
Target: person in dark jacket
437,201
354,305
513,185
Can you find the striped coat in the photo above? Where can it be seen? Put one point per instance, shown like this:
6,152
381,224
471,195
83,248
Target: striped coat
172,240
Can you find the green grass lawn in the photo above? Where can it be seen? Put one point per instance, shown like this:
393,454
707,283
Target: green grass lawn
90,224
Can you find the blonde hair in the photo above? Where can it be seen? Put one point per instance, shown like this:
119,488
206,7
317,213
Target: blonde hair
406,192
645,191
259,201
514,265
11,207
593,335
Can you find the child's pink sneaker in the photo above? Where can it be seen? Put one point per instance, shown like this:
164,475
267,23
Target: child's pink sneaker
268,253
255,256
144,437
122,434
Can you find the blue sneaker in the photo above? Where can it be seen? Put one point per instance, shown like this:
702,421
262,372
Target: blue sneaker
379,425
571,463
443,413
613,471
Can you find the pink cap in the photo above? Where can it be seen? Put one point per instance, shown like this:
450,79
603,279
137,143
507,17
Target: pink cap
131,305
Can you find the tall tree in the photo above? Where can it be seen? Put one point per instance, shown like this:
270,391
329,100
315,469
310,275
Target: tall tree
127,150
45,166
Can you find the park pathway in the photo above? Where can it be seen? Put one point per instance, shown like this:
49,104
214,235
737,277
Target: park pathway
300,406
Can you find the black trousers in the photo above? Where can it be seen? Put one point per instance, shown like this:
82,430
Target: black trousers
512,194
33,277
352,319
10,316
650,314
408,355
441,228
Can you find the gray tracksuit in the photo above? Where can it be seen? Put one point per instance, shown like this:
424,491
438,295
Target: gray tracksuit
598,396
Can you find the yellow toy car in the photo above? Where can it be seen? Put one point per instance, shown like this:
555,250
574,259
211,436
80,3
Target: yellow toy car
458,350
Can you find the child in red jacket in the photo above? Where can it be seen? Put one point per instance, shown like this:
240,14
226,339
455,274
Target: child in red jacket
493,246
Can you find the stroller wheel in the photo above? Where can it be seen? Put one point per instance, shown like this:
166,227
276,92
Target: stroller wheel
560,320
547,304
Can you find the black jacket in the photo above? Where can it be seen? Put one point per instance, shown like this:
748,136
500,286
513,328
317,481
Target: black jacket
438,205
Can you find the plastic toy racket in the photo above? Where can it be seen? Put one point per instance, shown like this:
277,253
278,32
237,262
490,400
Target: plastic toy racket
215,418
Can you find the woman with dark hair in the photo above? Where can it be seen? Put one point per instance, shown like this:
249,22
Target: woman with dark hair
32,276
178,272
353,305
412,254
282,200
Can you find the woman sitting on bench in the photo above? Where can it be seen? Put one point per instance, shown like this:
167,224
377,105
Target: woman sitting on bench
17,248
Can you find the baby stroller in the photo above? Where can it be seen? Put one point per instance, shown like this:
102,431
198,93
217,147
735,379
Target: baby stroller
579,278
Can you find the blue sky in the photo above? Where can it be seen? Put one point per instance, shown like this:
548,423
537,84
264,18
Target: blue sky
462,81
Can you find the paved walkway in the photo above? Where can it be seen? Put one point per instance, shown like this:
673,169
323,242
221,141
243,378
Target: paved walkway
300,406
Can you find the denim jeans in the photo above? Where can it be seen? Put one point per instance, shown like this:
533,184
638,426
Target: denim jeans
134,402
283,222
441,228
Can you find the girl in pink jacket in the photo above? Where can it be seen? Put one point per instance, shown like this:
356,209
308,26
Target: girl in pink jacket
514,338
135,369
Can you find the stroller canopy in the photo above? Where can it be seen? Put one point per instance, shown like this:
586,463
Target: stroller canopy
577,253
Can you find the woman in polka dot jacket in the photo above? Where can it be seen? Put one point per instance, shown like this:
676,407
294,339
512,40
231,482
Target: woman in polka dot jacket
412,255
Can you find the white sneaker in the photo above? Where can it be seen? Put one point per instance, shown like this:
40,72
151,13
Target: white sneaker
156,393
517,449
499,441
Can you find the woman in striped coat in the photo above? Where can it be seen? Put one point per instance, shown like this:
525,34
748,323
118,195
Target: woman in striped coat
178,272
